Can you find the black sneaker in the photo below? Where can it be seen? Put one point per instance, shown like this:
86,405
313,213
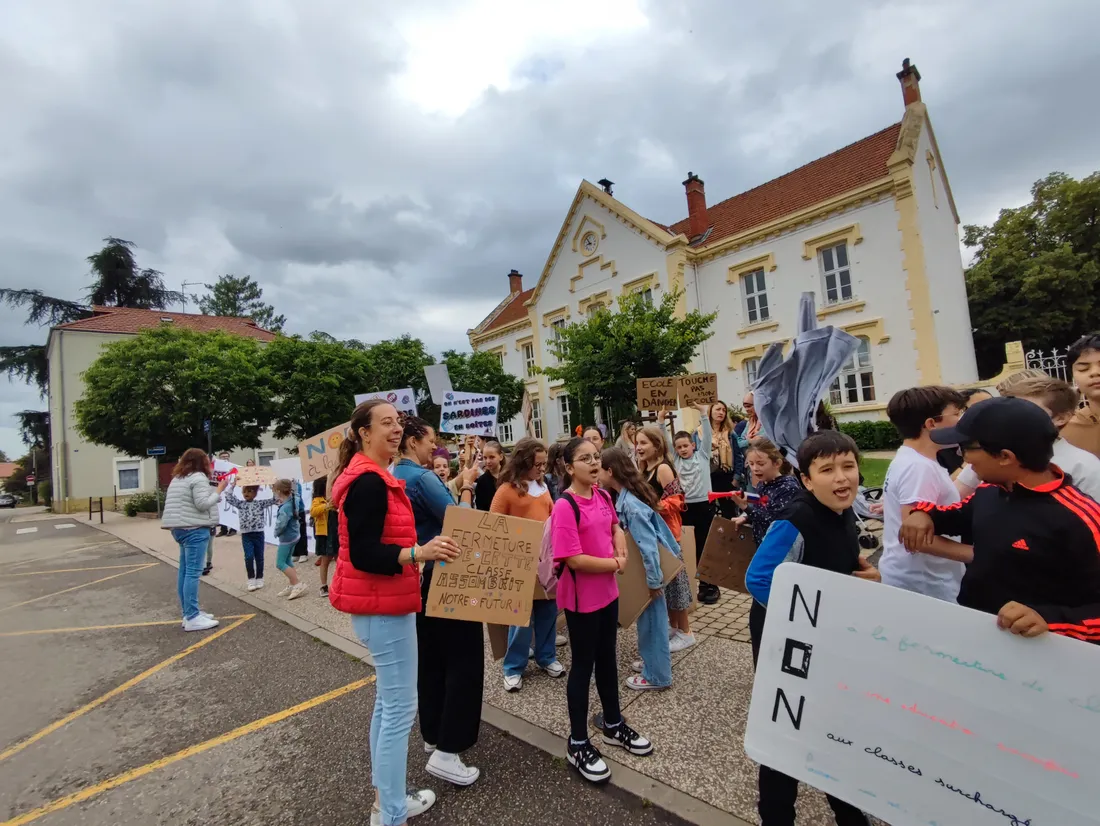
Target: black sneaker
324,590
207,570
709,595
587,760
627,738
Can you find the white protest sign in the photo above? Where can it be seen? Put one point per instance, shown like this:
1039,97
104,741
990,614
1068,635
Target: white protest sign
922,712
439,381
404,400
469,414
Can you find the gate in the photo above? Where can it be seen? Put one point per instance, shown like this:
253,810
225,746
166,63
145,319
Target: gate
1052,362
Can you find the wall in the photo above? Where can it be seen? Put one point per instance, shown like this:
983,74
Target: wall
508,346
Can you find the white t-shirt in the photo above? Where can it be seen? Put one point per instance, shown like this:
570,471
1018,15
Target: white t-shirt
1082,467
915,478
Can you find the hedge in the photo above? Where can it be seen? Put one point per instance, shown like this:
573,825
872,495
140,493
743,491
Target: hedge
873,435
143,503
45,493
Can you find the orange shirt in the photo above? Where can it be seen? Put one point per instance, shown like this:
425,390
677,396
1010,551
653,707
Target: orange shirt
511,502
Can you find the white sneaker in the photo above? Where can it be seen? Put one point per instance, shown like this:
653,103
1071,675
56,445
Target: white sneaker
513,682
429,748
200,623
680,642
297,591
416,802
450,767
259,583
637,665
561,639
252,585
286,591
555,669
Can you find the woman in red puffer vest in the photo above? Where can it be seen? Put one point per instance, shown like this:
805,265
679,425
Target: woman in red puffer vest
377,581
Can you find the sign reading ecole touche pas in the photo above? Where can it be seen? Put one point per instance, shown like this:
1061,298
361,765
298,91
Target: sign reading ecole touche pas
469,414
921,712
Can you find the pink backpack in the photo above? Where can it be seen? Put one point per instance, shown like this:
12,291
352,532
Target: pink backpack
548,578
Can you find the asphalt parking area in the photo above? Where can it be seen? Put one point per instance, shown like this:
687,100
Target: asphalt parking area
113,715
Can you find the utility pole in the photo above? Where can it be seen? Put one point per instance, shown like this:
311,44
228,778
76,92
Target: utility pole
183,291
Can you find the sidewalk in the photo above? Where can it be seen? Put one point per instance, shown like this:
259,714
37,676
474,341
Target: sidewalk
698,771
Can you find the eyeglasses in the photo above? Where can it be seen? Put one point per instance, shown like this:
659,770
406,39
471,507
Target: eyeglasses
588,459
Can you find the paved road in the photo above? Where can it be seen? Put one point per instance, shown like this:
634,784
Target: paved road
254,723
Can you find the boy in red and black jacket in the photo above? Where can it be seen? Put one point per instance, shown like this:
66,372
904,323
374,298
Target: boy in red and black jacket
1035,560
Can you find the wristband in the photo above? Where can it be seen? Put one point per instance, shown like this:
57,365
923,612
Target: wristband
467,488
412,554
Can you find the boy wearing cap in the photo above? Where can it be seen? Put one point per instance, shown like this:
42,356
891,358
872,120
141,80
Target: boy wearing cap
1083,358
1035,560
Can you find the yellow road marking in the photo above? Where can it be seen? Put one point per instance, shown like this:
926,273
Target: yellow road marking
93,546
71,570
77,587
114,692
108,627
190,751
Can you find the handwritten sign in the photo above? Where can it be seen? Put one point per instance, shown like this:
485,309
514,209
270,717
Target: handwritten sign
727,554
697,388
469,414
922,712
280,468
656,394
633,590
493,579
255,476
320,454
404,400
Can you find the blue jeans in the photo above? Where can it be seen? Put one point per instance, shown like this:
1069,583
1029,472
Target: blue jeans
544,626
253,543
392,643
653,643
192,542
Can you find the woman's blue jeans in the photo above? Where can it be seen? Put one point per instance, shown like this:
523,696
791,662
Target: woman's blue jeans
392,644
544,626
192,542
653,643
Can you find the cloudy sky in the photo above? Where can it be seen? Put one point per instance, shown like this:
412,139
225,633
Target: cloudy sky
379,167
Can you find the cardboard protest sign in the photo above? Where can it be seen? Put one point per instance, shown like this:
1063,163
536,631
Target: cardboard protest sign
920,711
656,394
633,591
254,476
469,414
498,640
697,388
493,580
320,454
687,550
404,400
727,555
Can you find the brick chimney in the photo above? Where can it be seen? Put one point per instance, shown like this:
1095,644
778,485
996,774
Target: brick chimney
697,205
910,83
515,282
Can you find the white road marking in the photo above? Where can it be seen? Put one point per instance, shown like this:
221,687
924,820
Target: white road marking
26,530
63,527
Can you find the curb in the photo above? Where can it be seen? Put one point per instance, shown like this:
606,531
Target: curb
624,778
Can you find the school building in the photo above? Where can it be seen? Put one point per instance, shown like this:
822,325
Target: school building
872,229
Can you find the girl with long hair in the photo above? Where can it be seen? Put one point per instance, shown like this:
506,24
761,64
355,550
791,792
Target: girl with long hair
486,487
773,479
628,432
656,468
590,548
727,461
288,531
555,470
523,493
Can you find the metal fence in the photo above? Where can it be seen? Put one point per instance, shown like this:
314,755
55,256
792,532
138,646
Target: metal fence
1052,362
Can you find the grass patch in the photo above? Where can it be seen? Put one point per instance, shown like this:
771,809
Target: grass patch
874,471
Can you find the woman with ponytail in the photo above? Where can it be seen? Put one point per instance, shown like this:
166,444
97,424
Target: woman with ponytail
378,583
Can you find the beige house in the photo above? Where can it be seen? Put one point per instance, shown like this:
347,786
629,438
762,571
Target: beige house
81,469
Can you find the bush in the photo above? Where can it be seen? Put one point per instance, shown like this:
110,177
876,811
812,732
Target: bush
873,435
143,503
45,493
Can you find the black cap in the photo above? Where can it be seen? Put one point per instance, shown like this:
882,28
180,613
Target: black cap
1003,423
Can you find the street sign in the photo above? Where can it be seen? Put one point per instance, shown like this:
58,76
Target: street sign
206,426
155,451
30,479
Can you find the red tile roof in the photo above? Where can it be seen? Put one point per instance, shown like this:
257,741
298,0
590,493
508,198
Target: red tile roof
513,311
7,469
846,169
127,320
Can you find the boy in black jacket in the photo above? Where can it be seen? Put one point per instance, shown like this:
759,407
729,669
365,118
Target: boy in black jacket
1035,560
818,528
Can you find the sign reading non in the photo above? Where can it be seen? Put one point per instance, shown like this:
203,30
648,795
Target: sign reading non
320,454
469,414
697,388
656,394
920,711
404,400
493,579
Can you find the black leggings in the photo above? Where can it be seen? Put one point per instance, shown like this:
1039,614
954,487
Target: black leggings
778,791
592,640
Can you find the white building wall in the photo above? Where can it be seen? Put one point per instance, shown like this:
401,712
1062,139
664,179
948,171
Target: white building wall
943,264
512,358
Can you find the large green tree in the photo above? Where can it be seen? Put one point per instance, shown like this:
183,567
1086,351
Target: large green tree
242,297
601,358
159,387
1036,271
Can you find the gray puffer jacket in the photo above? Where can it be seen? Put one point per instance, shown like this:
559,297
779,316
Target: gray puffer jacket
191,502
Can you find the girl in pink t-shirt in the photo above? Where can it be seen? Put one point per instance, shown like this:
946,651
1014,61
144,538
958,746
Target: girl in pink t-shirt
589,549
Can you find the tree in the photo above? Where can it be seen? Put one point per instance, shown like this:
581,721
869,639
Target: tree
601,358
243,298
24,466
160,386
120,283
1036,271
4,457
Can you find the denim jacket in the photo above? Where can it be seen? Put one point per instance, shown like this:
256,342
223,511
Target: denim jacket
648,530
429,496
286,523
